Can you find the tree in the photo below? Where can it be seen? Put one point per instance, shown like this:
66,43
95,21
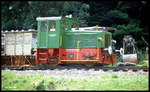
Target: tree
124,15
22,15
129,17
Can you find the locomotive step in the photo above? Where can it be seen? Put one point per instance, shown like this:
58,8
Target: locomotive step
43,53
42,59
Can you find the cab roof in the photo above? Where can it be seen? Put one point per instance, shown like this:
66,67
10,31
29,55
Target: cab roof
57,18
48,18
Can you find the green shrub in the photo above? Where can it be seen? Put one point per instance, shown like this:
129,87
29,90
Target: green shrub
142,56
114,76
41,86
142,63
51,85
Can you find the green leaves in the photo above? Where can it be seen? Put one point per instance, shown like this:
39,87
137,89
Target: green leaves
132,28
18,15
118,14
127,17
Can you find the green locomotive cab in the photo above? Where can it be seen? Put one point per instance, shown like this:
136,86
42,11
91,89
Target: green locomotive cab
50,30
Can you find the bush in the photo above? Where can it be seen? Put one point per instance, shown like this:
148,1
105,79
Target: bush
51,85
143,63
142,55
41,86
114,76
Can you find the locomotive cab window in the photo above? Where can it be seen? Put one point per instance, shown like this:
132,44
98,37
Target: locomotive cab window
52,26
64,25
44,26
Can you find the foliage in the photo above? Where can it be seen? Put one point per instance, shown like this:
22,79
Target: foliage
143,63
114,76
128,29
127,16
118,59
117,17
104,82
23,15
40,86
142,57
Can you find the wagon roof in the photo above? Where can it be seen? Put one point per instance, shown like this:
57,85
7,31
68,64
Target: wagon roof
19,31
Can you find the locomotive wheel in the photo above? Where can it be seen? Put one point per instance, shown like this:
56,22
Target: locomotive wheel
89,65
53,64
53,61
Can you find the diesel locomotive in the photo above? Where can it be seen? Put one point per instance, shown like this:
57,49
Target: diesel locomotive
58,43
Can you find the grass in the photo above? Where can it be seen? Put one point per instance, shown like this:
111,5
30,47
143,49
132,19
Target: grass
143,63
11,81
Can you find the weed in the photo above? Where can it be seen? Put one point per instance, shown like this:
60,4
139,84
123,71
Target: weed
114,76
15,81
142,63
105,82
142,55
41,86
51,85
24,81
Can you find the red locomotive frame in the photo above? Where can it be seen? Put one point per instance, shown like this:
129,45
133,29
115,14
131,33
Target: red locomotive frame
78,56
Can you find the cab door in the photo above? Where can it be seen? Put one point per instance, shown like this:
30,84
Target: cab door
53,34
43,26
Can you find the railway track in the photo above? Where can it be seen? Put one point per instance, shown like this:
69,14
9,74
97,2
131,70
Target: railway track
61,67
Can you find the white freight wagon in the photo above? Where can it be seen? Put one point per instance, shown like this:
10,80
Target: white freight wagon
16,43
